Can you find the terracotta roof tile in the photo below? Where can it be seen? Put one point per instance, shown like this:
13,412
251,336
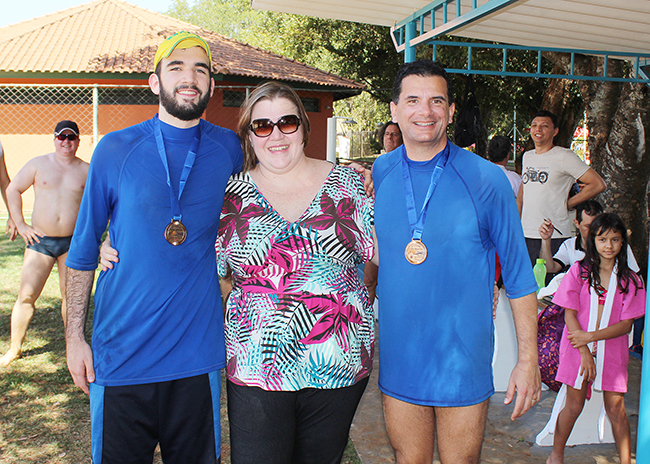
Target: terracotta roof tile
112,36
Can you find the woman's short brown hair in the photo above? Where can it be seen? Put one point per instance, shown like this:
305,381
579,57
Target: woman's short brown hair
267,90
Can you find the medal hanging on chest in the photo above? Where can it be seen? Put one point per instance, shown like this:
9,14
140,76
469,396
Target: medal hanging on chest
416,251
175,233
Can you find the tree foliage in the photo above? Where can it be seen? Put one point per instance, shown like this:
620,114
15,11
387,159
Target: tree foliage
365,53
499,97
356,51
231,18
618,115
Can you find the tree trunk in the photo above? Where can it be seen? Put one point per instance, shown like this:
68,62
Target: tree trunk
618,117
559,99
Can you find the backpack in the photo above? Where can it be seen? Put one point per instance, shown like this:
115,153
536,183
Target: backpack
550,324
468,121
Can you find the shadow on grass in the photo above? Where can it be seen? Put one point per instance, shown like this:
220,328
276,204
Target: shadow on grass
45,417
48,311
9,250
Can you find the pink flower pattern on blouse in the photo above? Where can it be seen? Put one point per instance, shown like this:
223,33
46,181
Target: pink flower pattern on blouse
298,315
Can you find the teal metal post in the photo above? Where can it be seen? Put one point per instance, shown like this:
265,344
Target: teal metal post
643,433
409,51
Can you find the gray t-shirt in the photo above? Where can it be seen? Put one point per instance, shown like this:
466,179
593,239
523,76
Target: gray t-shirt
547,178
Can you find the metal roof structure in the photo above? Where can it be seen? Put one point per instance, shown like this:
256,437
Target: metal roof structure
610,29
620,25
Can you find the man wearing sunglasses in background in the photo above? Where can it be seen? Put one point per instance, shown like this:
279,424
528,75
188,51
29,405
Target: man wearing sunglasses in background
58,180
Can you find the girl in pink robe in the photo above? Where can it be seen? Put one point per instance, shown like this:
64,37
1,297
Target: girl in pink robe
601,297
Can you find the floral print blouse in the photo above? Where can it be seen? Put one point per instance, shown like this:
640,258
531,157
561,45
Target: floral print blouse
298,315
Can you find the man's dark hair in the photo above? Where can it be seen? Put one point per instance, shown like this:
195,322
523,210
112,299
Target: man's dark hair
547,114
591,207
423,68
384,126
499,148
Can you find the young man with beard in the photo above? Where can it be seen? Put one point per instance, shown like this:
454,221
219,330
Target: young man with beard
440,214
153,370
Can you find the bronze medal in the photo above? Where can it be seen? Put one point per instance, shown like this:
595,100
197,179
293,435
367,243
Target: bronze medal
175,232
415,252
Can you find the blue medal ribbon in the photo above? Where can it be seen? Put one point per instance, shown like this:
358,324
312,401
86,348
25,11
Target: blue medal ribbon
416,221
185,173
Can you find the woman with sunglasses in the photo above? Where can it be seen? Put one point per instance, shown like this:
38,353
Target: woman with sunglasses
299,327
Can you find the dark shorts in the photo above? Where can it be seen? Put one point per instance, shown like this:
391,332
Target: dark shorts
181,415
534,246
308,426
52,246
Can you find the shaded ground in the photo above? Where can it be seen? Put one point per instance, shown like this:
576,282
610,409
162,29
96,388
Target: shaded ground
44,418
506,442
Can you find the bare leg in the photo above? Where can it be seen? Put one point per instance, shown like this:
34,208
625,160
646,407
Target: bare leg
575,401
62,268
34,274
411,430
460,433
615,407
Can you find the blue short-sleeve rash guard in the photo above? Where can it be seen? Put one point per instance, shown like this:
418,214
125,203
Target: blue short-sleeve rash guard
158,313
435,318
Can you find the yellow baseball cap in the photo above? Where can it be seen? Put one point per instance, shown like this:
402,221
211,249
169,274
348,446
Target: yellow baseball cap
181,40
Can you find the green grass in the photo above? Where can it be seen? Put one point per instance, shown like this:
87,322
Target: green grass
44,418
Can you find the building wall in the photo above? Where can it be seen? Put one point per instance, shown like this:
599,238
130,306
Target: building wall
26,129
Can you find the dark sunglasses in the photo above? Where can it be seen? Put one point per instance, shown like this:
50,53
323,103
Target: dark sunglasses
63,137
287,124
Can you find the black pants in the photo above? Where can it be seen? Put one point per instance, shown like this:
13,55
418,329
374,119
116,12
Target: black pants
308,426
182,415
534,246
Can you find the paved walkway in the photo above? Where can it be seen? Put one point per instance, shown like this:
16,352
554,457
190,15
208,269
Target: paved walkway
505,442
368,431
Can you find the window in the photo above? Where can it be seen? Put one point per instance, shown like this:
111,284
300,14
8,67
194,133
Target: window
233,98
310,104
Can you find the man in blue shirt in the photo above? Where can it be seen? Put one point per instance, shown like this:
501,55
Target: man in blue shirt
157,348
441,213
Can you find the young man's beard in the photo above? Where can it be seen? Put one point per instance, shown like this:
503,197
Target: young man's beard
187,112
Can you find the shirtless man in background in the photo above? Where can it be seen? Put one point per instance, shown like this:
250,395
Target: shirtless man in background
58,179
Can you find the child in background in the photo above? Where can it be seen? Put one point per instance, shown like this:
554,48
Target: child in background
601,297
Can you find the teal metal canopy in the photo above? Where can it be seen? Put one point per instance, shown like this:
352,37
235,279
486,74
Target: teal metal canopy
533,26
611,29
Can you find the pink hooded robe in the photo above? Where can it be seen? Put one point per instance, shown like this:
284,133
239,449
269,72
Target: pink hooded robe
612,358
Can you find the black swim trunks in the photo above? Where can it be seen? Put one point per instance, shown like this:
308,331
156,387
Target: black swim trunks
181,415
52,246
